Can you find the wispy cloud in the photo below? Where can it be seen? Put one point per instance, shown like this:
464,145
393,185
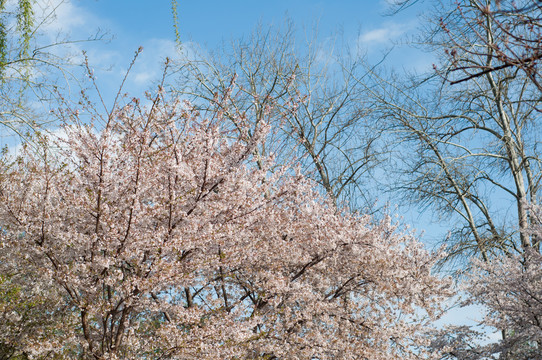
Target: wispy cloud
63,29
63,16
386,34
392,41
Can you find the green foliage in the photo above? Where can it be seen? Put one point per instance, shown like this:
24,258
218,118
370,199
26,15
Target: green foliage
25,25
27,316
22,35
175,21
11,301
3,36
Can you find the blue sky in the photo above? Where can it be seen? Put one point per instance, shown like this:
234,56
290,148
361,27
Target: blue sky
205,24
208,22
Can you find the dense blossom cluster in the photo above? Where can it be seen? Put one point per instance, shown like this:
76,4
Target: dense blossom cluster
510,289
157,236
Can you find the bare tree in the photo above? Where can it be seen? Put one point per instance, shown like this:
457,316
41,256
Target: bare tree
327,131
514,41
473,147
472,133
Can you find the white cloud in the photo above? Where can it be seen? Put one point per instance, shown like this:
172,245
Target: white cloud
392,42
385,34
61,16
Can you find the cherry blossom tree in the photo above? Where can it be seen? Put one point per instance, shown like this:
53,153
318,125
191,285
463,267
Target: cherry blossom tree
510,290
509,287
155,236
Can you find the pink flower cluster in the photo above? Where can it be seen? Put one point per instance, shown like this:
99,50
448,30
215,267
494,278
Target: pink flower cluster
158,236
